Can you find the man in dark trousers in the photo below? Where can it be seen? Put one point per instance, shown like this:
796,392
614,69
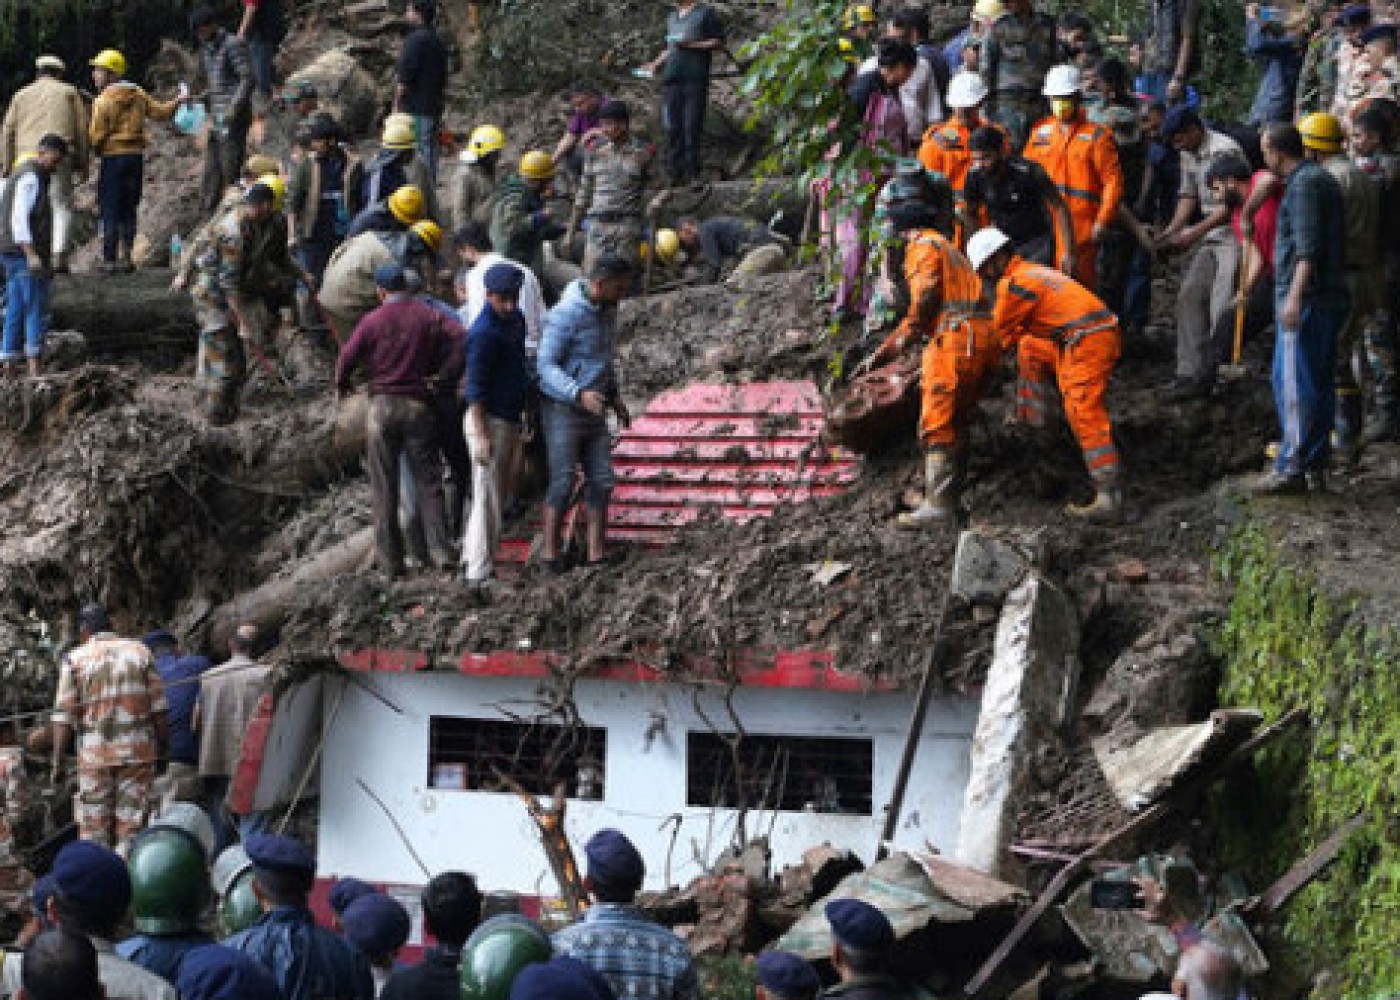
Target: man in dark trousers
180,673
693,33
229,78
263,26
407,346
451,911
421,80
861,940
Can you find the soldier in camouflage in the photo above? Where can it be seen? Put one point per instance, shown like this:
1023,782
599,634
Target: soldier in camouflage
229,301
1017,51
112,699
616,172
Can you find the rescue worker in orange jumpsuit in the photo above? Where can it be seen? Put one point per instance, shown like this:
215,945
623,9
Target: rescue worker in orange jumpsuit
945,147
1082,159
951,316
1063,334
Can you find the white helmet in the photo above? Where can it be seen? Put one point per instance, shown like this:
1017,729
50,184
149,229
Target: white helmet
988,11
966,91
1062,81
984,244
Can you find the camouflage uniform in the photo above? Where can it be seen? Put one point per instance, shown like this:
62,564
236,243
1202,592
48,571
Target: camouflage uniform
109,691
1016,54
1317,81
1379,335
610,197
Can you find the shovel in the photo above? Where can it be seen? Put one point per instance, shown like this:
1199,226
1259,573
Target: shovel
1235,370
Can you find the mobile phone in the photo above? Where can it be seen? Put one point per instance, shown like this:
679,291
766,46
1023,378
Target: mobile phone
1115,894
1267,14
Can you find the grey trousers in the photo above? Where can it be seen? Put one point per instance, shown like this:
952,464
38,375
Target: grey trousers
399,425
1207,292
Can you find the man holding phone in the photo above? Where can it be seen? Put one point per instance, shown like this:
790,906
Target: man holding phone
1276,45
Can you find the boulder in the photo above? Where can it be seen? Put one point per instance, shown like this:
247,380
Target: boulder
347,91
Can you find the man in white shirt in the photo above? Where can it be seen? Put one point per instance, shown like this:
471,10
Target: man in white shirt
921,97
473,243
26,247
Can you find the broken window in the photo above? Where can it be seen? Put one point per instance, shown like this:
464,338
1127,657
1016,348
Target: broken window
495,755
794,773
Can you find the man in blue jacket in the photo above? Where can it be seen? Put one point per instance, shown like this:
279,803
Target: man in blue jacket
579,385
308,962
496,388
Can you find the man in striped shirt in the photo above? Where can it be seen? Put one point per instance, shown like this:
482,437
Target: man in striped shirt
640,959
111,697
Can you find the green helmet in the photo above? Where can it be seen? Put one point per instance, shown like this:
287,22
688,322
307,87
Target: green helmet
240,908
169,883
498,950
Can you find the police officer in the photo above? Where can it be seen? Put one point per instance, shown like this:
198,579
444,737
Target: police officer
616,172
451,913
378,926
308,962
344,892
169,889
218,973
861,940
232,881
559,978
785,976
91,894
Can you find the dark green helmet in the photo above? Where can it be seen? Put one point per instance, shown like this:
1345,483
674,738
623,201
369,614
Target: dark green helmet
169,882
498,950
240,908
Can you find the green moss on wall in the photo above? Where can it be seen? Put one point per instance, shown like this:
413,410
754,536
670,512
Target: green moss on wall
1289,644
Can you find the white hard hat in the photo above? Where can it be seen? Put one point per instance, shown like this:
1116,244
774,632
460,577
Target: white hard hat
985,243
988,10
233,862
1062,81
966,91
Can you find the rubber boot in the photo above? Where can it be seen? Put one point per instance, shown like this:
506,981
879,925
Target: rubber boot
941,488
124,264
1347,435
1107,505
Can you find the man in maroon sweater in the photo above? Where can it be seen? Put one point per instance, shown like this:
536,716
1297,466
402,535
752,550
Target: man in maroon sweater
408,347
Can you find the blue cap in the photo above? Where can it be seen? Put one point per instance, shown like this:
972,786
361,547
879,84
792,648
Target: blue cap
613,861
787,975
391,277
280,854
1376,31
561,978
213,972
1179,119
93,876
859,926
159,637
376,924
345,891
1357,13
504,279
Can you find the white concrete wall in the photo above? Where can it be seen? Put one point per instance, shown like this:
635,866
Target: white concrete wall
490,834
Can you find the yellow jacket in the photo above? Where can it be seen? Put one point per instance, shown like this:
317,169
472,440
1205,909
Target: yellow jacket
119,119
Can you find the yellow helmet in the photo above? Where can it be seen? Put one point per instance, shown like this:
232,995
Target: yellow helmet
429,232
1321,131
407,204
485,139
278,187
110,60
859,14
21,160
537,165
398,132
259,164
668,244
848,51
988,10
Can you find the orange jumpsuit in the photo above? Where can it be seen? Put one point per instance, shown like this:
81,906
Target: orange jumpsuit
947,305
1064,335
945,149
1082,159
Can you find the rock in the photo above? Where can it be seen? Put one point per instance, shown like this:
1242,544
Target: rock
1165,678
986,568
347,91
1132,571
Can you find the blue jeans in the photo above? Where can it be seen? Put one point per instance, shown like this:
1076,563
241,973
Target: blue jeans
574,437
1137,293
261,53
1305,390
425,132
118,197
26,309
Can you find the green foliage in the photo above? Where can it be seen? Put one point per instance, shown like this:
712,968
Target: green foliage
729,978
1288,644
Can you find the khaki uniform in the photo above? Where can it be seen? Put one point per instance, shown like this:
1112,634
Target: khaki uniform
347,290
109,691
49,105
611,197
475,197
1016,54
